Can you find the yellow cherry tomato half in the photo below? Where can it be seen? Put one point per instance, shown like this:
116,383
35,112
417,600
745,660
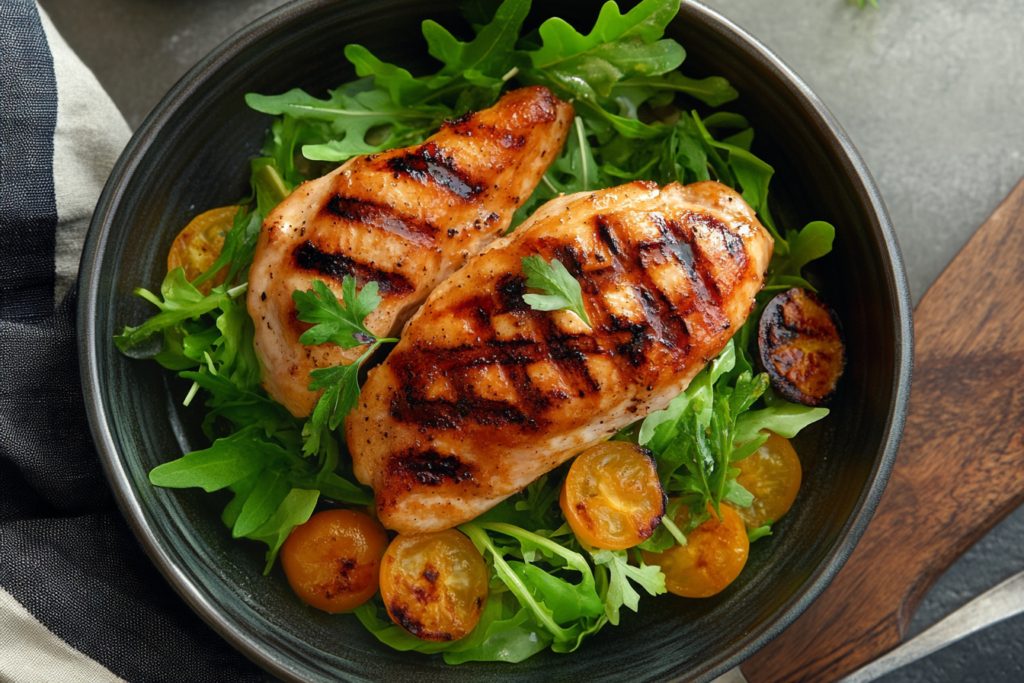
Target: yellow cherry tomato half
333,560
434,585
198,245
612,497
714,555
772,474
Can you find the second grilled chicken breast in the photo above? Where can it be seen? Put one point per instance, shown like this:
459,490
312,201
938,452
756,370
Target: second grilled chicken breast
405,219
484,394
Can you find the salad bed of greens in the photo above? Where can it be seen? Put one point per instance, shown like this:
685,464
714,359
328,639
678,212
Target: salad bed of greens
637,118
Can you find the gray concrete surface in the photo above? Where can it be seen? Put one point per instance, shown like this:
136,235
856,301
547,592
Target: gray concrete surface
930,91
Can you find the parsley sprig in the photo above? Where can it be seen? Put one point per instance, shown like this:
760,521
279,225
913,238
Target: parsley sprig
342,323
561,290
337,322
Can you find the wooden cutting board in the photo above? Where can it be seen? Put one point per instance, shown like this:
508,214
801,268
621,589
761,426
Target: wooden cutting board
960,468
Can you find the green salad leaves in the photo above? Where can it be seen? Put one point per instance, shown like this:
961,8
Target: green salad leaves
638,118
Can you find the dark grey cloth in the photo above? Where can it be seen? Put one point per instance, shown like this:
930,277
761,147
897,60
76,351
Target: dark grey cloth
66,553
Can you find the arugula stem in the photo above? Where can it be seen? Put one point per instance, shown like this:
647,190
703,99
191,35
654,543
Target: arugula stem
674,530
334,112
512,580
149,296
235,291
454,86
191,394
581,135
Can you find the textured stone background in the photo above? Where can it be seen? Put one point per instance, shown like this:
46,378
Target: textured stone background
930,91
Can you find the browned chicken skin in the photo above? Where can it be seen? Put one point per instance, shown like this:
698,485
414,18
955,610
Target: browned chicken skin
405,219
483,394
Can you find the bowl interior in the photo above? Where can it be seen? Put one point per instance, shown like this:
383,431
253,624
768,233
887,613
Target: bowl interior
191,155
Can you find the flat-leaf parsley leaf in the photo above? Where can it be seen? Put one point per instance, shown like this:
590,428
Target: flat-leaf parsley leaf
561,290
338,322
342,323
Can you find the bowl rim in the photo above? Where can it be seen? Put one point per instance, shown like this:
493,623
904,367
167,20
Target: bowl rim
258,650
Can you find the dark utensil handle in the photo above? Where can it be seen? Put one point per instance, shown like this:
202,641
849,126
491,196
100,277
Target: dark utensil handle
960,468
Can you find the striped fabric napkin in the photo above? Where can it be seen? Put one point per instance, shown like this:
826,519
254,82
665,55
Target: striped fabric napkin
79,600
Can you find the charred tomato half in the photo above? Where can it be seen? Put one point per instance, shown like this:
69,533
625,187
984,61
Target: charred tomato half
801,347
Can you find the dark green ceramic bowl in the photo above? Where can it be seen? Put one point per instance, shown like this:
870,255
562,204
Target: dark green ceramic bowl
191,154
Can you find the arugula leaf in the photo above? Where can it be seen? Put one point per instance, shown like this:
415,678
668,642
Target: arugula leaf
586,67
761,531
404,88
694,439
562,291
181,301
713,91
568,604
511,638
620,592
268,189
267,494
785,419
353,111
505,633
540,500
334,321
531,541
579,171
337,488
574,170
234,352
479,13
485,59
748,448
735,493
295,509
549,600
667,533
241,488
224,463
803,246
660,427
540,612
752,174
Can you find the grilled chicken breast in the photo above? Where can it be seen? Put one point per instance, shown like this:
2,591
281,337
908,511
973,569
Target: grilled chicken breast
484,394
405,219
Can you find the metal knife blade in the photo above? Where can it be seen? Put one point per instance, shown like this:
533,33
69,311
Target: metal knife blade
991,607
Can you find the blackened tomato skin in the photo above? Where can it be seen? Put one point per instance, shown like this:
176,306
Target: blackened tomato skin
800,347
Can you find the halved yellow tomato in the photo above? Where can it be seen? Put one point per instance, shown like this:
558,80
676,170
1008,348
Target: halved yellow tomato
198,245
434,585
612,497
714,555
333,560
772,474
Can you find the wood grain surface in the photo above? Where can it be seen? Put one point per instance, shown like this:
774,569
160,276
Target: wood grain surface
959,471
